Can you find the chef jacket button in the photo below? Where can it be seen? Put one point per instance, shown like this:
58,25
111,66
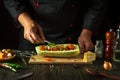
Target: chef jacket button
72,5
71,25
69,38
37,4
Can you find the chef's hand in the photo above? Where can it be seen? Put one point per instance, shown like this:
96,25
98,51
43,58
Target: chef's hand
34,33
32,30
84,41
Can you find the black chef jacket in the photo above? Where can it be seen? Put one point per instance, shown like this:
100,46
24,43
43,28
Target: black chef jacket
61,20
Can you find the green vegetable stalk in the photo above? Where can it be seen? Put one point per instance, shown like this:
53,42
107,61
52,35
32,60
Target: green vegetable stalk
14,65
7,66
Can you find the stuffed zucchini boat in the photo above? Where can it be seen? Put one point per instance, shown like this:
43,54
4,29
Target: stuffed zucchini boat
58,50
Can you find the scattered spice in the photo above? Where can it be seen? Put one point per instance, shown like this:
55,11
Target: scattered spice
48,59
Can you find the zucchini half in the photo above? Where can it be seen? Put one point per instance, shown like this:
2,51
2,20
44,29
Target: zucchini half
67,53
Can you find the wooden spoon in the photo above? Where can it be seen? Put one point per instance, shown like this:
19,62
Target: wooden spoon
92,72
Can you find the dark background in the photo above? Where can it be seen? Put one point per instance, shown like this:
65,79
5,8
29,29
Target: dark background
9,32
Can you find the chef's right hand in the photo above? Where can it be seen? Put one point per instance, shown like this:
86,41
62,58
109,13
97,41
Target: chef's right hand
32,30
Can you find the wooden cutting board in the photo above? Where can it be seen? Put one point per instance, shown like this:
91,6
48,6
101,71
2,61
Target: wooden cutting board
37,59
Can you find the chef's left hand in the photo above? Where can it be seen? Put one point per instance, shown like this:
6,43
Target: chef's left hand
84,41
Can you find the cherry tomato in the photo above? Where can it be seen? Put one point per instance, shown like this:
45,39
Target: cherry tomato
71,47
42,47
55,48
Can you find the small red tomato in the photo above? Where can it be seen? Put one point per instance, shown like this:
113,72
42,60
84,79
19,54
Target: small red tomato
71,47
55,48
42,47
4,56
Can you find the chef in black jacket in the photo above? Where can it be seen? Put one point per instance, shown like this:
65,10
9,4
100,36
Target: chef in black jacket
58,21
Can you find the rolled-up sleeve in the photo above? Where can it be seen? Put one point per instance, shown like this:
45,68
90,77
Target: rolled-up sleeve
14,7
95,15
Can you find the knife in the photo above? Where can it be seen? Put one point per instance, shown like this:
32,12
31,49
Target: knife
46,41
49,43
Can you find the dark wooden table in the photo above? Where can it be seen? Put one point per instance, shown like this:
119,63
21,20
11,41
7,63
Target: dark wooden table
58,71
